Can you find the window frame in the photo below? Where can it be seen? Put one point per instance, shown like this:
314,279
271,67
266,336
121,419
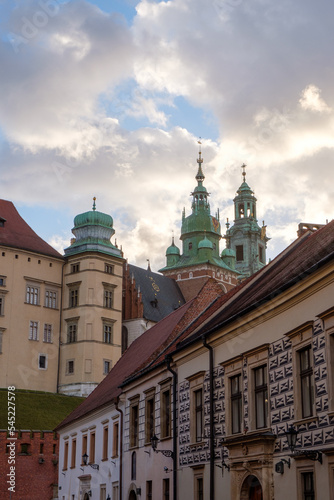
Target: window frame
47,333
40,356
196,383
134,422
51,298
33,330
232,368
165,409
105,441
149,415
108,332
33,292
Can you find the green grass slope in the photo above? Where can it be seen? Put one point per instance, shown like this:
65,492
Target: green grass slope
37,410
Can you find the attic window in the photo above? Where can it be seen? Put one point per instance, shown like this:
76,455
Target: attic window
2,222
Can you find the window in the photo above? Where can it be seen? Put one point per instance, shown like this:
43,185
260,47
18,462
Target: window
165,413
105,443
108,269
261,254
1,334
165,489
32,295
199,488
239,250
198,410
106,366
308,486
103,492
134,414
33,330
92,448
84,446
41,448
71,333
149,417
115,440
115,491
74,297
190,246
42,362
73,454
65,455
133,466
306,381
261,396
108,333
108,298
75,268
236,403
2,303
47,335
3,280
24,449
69,367
149,490
51,299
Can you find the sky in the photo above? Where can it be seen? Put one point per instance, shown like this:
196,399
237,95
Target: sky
109,99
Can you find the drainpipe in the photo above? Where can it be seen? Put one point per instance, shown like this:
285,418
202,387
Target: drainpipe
168,360
120,450
60,323
212,437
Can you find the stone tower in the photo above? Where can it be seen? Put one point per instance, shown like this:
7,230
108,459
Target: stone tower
245,237
91,322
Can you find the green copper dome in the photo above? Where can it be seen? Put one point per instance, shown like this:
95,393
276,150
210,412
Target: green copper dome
228,252
205,243
93,218
173,250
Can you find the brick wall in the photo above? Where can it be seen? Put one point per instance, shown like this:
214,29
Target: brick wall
36,465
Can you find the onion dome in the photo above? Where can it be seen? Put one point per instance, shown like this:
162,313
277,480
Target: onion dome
205,243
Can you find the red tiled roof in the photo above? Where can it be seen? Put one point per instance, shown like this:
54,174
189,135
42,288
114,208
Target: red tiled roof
140,350
299,260
16,233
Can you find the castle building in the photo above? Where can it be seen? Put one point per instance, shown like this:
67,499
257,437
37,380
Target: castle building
200,236
245,238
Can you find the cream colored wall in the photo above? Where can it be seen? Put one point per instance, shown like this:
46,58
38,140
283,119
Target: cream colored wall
19,358
90,351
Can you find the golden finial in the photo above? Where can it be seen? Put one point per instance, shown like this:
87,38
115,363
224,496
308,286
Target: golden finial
243,166
94,204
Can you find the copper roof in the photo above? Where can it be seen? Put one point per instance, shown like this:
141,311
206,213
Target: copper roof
16,233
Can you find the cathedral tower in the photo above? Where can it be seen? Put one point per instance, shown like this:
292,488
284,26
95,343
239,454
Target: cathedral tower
200,236
246,238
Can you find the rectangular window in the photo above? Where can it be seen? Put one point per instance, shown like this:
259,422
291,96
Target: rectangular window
108,333
308,486
261,397
51,299
134,421
74,451
306,381
42,362
84,447
33,330
47,334
115,440
105,444
2,303
165,413
32,295
108,298
106,366
92,448
75,268
199,488
165,489
236,403
69,367
149,419
198,402
108,269
3,280
74,297
148,490
1,333
115,491
261,254
239,249
103,492
71,333
65,455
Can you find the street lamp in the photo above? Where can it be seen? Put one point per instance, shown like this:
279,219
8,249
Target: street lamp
291,436
85,462
154,443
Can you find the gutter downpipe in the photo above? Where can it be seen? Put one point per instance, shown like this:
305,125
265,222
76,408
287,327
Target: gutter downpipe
120,450
60,323
212,437
168,360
